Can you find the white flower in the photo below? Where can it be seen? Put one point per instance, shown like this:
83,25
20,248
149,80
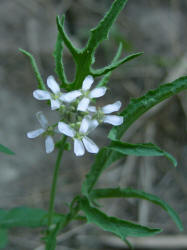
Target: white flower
102,113
49,143
81,141
55,97
86,93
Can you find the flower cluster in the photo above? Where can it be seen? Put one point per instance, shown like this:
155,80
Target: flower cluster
77,117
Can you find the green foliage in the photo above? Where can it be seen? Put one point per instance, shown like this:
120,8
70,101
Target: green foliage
6,150
84,59
24,217
41,84
139,106
59,68
103,159
114,65
106,77
120,228
101,31
140,149
60,24
133,193
3,238
131,113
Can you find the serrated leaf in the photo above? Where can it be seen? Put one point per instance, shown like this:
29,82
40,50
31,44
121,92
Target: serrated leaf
103,159
133,193
3,238
85,58
120,228
41,84
59,67
139,106
140,149
114,65
6,150
101,31
133,111
25,217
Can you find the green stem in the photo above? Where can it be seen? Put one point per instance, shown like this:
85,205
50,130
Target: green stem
54,183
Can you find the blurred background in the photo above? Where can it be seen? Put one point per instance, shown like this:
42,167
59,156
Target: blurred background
156,27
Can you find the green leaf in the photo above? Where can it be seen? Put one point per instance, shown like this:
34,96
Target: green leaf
104,158
120,228
58,62
133,193
133,111
139,106
101,31
114,65
6,150
60,24
41,84
25,217
85,57
140,149
106,77
3,238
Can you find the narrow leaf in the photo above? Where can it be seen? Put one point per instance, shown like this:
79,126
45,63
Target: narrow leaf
6,150
41,84
133,193
140,149
60,24
114,65
58,61
104,158
24,217
101,31
120,228
139,106
133,111
106,77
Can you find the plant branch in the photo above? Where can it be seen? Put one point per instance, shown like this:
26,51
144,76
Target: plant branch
54,182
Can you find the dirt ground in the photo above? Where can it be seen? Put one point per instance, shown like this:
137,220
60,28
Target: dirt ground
158,28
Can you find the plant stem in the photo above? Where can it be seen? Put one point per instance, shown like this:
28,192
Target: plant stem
54,183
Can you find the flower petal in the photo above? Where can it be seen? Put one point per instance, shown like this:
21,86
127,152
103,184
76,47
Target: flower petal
90,146
84,126
66,129
87,83
92,109
49,144
113,119
62,97
42,120
35,133
83,104
55,104
71,96
41,94
78,147
53,85
98,92
111,107
93,124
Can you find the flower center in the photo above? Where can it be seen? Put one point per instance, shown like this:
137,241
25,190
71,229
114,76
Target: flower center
99,115
79,136
85,93
56,96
